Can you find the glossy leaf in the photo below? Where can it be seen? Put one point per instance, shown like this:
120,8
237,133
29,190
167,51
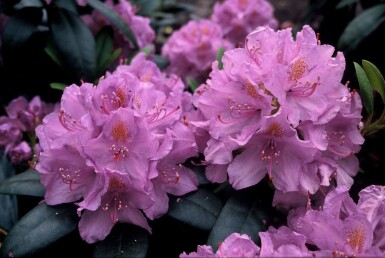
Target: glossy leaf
8,203
193,84
240,214
366,91
125,240
104,46
115,19
25,183
57,85
69,5
345,3
375,78
160,61
53,53
28,3
361,26
75,43
20,27
148,7
40,227
199,209
220,53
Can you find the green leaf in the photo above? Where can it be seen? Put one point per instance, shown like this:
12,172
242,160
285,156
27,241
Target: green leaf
193,84
8,203
220,53
375,78
361,26
344,3
58,86
25,183
75,42
148,7
240,214
20,27
160,61
366,91
115,19
69,5
199,209
125,240
40,227
28,3
52,51
104,45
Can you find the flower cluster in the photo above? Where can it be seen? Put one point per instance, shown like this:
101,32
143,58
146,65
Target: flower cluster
193,47
140,26
238,18
341,228
21,119
278,104
117,148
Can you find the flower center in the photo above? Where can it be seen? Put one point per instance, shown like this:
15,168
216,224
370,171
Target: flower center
270,154
120,133
356,238
72,176
170,175
68,122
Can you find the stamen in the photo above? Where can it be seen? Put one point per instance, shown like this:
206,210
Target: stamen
160,113
68,122
270,154
118,152
71,177
170,175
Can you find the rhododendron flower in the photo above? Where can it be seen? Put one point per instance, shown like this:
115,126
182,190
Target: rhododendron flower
140,26
19,153
237,18
283,242
341,228
235,245
193,48
279,105
118,149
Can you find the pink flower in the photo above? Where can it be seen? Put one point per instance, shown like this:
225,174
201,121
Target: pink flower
235,245
283,242
193,48
279,105
117,148
18,153
140,26
238,18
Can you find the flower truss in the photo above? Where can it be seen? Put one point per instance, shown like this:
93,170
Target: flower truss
116,148
280,105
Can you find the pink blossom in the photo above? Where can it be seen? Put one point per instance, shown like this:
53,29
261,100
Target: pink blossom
193,48
140,26
235,245
238,18
279,105
117,149
19,152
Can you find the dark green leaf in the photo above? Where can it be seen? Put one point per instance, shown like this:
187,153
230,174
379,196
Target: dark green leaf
58,86
52,51
29,3
220,53
69,5
361,26
26,183
148,7
20,27
199,209
375,78
345,3
193,84
125,240
366,91
240,214
160,61
115,20
8,203
40,227
104,45
75,42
